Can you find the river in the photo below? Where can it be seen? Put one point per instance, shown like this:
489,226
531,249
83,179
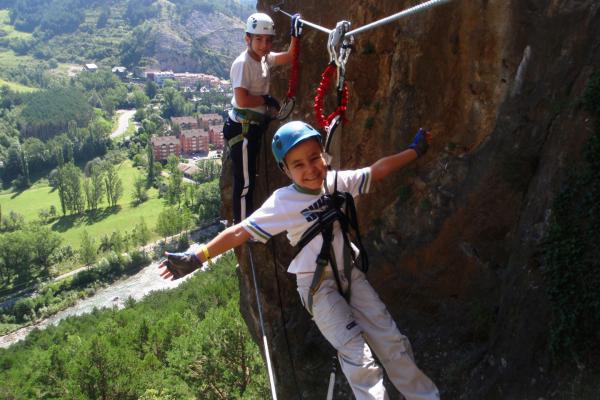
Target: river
136,287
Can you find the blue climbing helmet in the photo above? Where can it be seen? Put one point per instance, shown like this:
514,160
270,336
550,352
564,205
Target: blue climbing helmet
288,136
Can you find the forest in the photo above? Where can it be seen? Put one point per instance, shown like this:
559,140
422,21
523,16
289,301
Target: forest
187,343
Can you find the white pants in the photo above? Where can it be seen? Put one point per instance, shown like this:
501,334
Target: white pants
349,326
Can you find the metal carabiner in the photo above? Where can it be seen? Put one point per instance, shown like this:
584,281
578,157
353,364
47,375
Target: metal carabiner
335,38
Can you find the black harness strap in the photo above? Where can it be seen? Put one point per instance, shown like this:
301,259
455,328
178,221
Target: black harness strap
340,207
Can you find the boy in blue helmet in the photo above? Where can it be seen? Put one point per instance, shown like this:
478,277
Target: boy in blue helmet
252,105
332,287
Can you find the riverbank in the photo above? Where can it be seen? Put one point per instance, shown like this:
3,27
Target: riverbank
87,288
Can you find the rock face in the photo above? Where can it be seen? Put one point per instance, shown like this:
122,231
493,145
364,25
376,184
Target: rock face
203,42
453,239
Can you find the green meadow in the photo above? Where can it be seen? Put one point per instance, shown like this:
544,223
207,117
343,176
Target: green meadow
104,221
10,30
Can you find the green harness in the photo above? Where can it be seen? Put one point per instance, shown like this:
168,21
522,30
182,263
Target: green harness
246,118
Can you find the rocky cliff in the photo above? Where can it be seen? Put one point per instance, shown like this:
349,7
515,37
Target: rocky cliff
205,42
454,240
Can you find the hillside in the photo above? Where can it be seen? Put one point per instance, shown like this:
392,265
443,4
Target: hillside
183,35
495,286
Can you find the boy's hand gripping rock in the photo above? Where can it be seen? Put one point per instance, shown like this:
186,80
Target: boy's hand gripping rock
297,25
181,264
420,143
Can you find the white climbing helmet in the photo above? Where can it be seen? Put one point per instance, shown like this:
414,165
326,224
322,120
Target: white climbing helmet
260,24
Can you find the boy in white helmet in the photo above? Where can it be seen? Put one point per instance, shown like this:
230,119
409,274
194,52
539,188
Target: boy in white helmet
330,282
252,104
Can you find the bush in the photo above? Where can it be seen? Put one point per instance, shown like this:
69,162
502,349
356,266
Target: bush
85,277
23,310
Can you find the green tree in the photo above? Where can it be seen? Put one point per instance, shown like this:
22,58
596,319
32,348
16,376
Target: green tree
88,253
94,187
138,99
70,188
141,233
172,221
113,184
175,186
208,201
222,343
174,104
140,192
151,171
25,169
28,252
151,89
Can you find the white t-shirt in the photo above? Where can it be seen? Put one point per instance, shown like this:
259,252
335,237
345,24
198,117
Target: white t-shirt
291,210
252,75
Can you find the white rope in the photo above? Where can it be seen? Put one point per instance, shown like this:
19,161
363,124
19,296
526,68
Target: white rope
410,11
305,22
262,328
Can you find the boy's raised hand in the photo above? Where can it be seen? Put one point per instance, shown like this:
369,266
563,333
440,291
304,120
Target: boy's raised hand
296,27
421,141
178,265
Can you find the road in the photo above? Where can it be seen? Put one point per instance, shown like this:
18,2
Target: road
124,118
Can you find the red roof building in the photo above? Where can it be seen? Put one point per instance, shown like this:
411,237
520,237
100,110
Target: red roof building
185,122
164,146
208,120
194,140
215,136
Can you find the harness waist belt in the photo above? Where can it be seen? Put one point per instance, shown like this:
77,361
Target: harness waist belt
246,118
252,117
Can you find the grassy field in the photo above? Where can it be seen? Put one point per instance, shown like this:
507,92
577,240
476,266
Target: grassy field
17,87
9,29
104,221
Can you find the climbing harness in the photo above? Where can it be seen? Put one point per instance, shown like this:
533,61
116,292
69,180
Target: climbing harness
339,207
246,118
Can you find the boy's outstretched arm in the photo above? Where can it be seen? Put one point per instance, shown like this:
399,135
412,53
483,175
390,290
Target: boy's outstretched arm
386,165
177,265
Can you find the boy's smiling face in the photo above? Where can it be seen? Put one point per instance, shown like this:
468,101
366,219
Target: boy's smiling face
305,165
259,45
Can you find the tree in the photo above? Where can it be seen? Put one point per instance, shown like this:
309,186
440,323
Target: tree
113,184
140,192
69,188
208,201
94,188
175,187
172,220
141,233
174,104
222,344
138,99
13,222
27,252
151,89
88,253
151,171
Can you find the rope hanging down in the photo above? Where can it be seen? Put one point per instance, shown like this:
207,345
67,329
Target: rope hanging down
262,327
